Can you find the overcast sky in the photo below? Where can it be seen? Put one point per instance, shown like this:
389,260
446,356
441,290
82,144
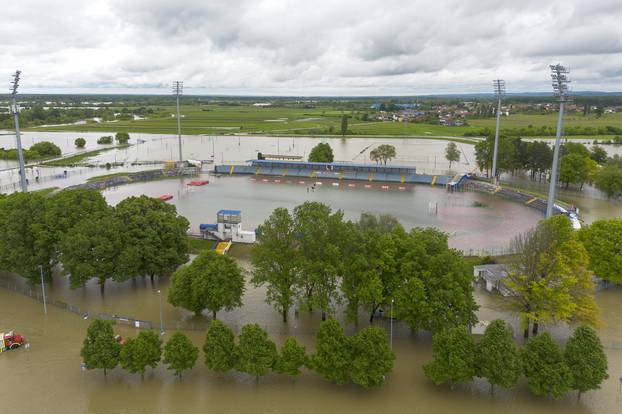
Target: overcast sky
309,47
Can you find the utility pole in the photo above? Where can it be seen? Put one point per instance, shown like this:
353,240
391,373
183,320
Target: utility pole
18,138
178,89
161,320
392,301
45,305
499,87
559,76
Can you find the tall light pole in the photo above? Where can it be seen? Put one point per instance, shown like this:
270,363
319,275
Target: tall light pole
499,87
18,138
178,89
161,320
559,76
45,305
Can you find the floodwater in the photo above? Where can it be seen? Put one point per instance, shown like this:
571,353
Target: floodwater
473,220
427,155
47,377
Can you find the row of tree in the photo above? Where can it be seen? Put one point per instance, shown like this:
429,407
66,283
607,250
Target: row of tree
323,152
549,370
578,164
539,131
365,358
141,236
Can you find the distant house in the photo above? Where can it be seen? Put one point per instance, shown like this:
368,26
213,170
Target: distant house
491,276
262,104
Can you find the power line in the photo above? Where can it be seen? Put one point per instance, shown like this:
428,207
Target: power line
18,139
560,81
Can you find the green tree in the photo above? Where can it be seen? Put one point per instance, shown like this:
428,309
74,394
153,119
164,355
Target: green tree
180,353
544,367
344,124
27,242
381,223
603,242
122,138
333,356
586,360
574,169
256,353
291,358
274,260
382,153
372,358
219,347
436,289
550,277
322,152
454,353
598,154
141,352
93,248
157,242
80,142
45,149
452,153
497,356
320,259
211,281
609,180
66,208
100,350
104,140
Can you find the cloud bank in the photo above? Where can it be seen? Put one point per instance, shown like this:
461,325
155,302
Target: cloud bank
315,47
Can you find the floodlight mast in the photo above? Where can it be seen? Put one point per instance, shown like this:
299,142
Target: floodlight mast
560,81
178,89
18,139
499,87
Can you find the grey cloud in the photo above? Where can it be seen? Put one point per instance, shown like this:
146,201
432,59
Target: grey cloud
324,46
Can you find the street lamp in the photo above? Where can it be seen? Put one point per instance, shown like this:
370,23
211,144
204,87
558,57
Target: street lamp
45,305
392,301
559,75
161,320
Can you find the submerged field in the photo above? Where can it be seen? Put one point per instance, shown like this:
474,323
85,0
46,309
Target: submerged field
247,119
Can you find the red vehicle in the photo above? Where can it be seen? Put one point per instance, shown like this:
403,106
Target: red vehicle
165,197
9,340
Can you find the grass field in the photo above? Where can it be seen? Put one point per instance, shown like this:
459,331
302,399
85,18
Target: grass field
227,120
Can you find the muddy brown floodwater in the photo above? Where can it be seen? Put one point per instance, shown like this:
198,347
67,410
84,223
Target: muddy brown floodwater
46,378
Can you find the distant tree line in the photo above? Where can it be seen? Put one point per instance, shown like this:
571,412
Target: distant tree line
544,130
364,358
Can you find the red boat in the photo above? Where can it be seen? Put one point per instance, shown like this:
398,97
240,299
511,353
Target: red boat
197,183
165,197
9,340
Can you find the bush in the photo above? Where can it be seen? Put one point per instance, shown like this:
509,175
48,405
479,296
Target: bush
105,140
80,142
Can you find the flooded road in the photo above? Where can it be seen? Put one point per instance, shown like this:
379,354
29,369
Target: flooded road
47,378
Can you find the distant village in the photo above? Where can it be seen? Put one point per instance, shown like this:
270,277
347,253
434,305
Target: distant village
458,113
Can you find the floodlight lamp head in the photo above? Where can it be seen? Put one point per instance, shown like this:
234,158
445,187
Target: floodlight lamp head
560,81
499,87
178,88
15,82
